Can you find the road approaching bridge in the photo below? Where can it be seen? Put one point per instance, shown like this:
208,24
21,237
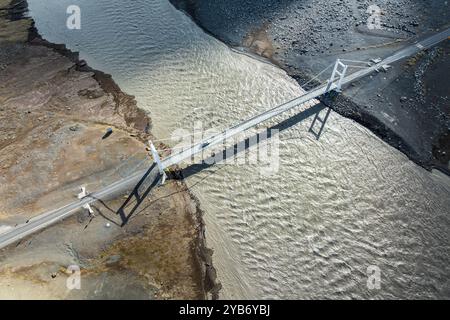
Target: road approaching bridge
46,219
317,92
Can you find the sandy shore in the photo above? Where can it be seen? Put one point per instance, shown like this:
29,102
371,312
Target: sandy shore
406,107
54,110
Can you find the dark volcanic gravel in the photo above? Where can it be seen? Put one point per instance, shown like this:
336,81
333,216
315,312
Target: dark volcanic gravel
408,106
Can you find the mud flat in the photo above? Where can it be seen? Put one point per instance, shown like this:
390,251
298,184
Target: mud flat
407,107
54,111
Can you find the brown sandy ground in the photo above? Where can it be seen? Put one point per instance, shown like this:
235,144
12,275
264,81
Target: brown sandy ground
54,111
152,257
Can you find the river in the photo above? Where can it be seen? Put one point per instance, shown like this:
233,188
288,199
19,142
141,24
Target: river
323,215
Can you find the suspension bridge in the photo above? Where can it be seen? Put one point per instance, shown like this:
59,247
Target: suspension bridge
339,78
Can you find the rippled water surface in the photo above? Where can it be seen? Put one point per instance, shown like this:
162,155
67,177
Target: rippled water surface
310,229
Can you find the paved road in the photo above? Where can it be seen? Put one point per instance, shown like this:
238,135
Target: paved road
49,218
46,219
208,143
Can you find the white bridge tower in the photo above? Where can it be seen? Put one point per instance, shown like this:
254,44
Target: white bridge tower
340,69
157,159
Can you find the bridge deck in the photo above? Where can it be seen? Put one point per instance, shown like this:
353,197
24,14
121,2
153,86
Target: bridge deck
49,218
317,92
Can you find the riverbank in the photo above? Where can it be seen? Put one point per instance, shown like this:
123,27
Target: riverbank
306,223
54,111
407,107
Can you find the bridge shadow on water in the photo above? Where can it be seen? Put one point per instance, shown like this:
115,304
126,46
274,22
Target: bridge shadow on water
152,177
260,137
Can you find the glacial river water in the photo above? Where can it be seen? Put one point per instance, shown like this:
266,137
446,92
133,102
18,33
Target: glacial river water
324,213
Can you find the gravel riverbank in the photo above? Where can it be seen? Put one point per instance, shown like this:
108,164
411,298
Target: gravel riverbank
408,106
